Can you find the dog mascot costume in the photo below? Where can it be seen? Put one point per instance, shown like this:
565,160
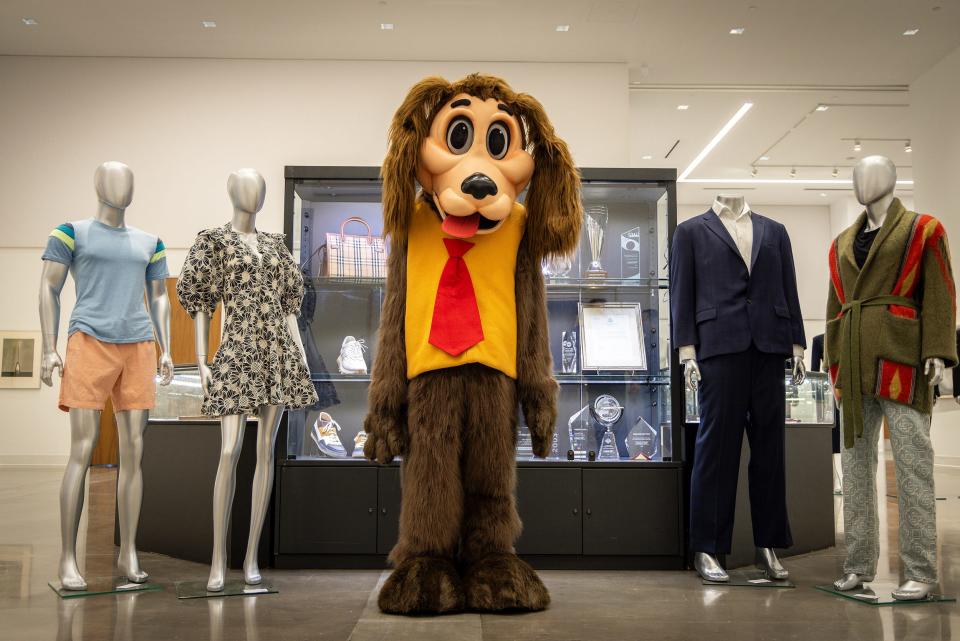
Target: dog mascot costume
463,335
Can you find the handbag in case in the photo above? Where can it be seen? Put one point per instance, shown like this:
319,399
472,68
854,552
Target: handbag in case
349,256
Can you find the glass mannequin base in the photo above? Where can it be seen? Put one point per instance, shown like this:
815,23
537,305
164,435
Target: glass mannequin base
198,589
750,578
104,585
879,593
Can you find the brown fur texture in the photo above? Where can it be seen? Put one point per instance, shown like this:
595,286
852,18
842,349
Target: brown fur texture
456,428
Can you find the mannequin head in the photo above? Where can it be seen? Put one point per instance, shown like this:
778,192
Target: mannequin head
247,190
873,178
114,184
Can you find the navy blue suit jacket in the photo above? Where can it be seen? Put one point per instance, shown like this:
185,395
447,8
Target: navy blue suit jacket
719,306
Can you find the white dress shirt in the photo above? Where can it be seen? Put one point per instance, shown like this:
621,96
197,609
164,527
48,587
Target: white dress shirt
740,227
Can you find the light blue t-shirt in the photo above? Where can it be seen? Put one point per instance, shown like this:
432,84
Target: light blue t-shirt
110,267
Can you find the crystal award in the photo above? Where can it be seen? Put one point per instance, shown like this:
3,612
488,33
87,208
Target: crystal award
568,352
643,441
524,442
596,217
582,437
608,411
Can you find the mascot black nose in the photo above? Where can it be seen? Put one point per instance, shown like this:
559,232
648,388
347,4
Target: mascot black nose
479,186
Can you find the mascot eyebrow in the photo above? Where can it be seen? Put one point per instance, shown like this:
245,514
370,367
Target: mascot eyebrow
465,102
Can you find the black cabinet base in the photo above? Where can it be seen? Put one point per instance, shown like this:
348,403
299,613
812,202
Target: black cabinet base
539,561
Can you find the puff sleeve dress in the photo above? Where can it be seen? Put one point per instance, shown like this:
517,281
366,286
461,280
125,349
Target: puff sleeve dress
258,362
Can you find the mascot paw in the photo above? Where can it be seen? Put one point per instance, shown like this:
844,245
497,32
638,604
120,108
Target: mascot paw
501,582
422,585
382,447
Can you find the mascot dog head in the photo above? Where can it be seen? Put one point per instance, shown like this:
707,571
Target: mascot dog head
474,145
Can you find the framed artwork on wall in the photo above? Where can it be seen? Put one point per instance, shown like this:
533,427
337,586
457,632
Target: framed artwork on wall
19,360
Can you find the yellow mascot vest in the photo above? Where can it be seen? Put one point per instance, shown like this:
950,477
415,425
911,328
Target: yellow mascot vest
492,263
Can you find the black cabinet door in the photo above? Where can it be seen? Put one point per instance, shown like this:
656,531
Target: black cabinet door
328,510
388,518
549,501
631,512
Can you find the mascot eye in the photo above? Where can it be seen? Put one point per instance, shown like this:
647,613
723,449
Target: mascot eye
460,135
498,139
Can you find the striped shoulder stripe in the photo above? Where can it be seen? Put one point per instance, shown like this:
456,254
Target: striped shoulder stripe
159,252
66,234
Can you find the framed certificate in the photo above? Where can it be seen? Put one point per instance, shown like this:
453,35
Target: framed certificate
611,337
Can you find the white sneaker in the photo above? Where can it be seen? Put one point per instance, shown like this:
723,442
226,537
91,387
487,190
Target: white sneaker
358,444
326,434
351,360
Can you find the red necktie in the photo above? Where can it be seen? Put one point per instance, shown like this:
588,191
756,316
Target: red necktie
456,318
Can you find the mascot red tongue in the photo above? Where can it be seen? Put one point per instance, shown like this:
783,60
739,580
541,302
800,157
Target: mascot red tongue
461,226
463,337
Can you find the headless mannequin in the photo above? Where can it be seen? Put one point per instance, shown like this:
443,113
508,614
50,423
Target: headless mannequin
114,185
874,180
707,565
247,191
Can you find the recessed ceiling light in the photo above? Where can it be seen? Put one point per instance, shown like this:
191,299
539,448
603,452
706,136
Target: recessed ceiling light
209,24
648,157
563,28
386,26
908,148
30,22
823,195
822,107
764,157
737,31
683,107
911,32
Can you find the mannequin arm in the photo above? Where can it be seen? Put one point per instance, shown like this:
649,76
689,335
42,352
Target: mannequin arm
933,368
201,333
294,326
691,374
160,315
51,284
799,370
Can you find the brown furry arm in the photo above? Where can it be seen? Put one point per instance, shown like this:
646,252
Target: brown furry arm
386,420
536,387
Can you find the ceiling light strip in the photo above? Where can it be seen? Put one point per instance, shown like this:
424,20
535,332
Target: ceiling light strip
716,140
715,88
777,181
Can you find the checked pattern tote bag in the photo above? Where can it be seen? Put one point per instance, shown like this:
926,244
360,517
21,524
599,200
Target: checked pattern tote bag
349,256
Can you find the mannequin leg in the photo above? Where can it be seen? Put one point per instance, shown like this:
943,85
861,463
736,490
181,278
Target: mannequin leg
130,426
861,528
84,429
231,434
262,486
913,457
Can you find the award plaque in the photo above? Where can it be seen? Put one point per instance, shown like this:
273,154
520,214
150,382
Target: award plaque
582,437
568,352
608,411
643,441
555,447
595,222
630,253
611,337
524,442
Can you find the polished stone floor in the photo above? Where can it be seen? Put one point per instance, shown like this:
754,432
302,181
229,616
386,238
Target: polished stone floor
340,605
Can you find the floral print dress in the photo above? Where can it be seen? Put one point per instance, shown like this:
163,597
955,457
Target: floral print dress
258,362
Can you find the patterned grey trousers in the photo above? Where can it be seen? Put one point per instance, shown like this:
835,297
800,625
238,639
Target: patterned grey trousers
913,456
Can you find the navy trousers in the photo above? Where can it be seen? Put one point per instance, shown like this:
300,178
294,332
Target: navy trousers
742,390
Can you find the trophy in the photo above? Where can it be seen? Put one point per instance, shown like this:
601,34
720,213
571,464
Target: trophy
608,411
568,352
556,266
595,220
582,437
524,442
643,442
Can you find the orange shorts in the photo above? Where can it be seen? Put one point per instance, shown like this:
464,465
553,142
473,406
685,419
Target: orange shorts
94,370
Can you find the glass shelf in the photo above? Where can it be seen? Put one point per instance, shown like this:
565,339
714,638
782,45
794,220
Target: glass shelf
810,403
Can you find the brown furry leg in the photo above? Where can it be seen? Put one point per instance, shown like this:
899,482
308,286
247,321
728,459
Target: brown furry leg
425,579
494,577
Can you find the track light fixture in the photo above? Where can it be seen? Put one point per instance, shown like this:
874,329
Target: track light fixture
793,172
908,148
753,171
856,145
835,172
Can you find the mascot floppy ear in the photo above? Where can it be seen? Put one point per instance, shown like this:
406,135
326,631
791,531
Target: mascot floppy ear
554,209
409,128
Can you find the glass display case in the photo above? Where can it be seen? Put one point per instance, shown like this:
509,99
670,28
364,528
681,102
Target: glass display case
181,399
809,403
608,314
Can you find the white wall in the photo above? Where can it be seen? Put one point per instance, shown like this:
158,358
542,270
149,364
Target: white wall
935,123
810,235
183,125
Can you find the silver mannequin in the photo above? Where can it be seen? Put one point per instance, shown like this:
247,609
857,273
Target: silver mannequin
707,565
114,185
247,191
874,180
